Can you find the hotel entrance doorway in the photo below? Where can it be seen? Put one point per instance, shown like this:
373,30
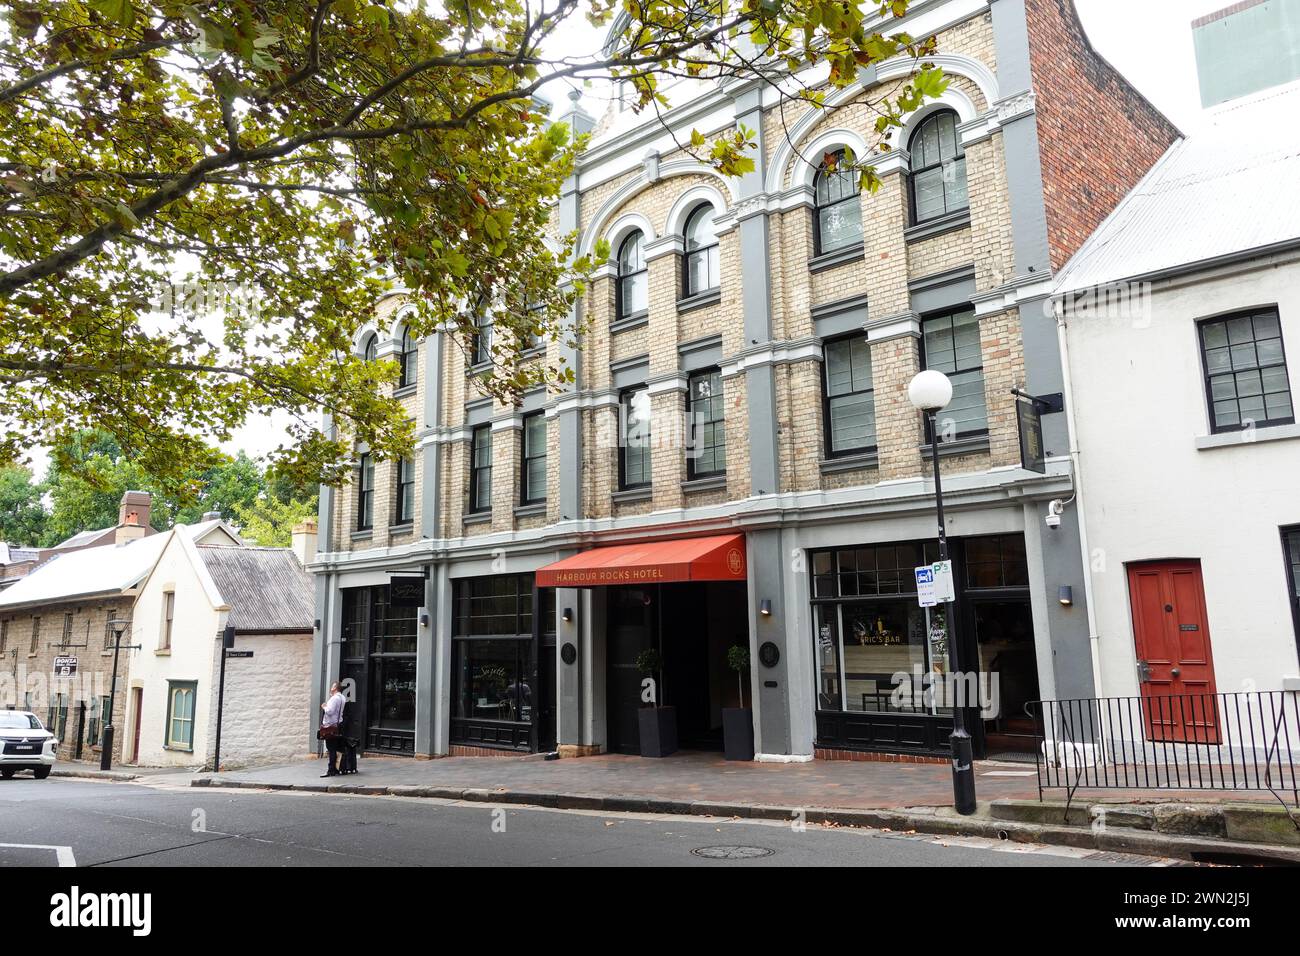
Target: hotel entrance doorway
691,624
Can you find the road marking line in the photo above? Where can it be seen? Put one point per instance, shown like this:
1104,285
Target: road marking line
62,853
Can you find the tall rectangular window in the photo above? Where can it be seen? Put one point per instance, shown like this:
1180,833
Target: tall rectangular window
481,343
634,459
36,636
169,613
707,447
952,346
1291,554
180,715
66,638
4,636
480,470
365,492
1245,371
532,465
404,507
849,401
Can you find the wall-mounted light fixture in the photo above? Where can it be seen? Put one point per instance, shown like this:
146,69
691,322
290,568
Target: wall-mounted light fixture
765,607
424,620
1066,596
316,624
567,615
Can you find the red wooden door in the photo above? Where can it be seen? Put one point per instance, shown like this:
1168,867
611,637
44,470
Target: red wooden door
1172,638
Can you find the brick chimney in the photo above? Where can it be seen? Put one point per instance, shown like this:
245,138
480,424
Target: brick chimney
304,542
129,530
139,502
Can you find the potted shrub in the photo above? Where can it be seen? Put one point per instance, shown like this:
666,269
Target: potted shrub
738,722
658,725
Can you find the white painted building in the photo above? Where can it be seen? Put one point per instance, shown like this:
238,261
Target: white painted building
194,592
1181,337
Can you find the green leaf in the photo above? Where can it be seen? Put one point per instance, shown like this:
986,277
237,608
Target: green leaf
119,11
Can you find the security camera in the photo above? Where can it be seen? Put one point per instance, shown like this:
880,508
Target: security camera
1055,508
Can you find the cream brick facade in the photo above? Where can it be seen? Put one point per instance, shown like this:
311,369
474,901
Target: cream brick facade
777,304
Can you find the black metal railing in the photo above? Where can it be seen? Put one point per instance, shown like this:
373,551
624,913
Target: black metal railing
1241,741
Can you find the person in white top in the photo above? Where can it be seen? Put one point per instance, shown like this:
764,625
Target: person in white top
331,717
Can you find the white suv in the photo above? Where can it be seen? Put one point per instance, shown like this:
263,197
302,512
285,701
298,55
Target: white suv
25,744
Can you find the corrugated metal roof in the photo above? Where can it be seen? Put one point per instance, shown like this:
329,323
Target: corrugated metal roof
266,588
1230,188
101,570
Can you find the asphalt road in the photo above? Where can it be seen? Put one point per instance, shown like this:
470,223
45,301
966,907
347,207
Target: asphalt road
62,821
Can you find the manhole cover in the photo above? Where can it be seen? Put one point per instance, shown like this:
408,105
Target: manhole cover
732,852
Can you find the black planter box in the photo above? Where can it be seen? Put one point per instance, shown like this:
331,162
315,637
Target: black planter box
658,731
738,733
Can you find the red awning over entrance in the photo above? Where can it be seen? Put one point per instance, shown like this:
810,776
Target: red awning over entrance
719,558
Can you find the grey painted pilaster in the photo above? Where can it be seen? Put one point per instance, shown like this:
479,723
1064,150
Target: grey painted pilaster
568,716
325,501
1020,140
440,672
431,465
773,706
1071,650
756,301
428,700
570,490
319,652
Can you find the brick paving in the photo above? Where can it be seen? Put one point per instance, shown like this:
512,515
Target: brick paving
690,777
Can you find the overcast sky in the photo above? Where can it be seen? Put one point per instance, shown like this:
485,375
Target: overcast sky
1149,41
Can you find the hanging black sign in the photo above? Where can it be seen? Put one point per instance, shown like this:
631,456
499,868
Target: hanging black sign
1032,457
406,592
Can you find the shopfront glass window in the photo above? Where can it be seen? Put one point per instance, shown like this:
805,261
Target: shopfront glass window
394,686
876,648
830,695
493,680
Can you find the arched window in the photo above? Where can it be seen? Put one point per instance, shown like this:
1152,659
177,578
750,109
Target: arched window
838,208
632,291
701,272
938,168
407,357
370,347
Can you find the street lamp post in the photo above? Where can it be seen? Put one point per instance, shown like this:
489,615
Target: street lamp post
930,392
118,627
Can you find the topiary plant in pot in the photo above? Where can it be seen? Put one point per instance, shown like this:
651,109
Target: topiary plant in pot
657,725
738,722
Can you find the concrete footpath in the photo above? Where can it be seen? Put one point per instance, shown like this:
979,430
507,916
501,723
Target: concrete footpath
1206,827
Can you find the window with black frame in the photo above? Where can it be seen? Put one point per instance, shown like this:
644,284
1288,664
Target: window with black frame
938,168
532,462
837,211
951,344
706,416
480,470
634,459
365,492
849,400
871,638
404,506
633,288
1291,555
493,662
701,241
481,341
1246,380
408,357
370,350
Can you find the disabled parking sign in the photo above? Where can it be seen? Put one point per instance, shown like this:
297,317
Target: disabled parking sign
926,594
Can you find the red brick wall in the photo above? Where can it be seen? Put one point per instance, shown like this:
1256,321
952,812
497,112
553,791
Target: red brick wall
1097,135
